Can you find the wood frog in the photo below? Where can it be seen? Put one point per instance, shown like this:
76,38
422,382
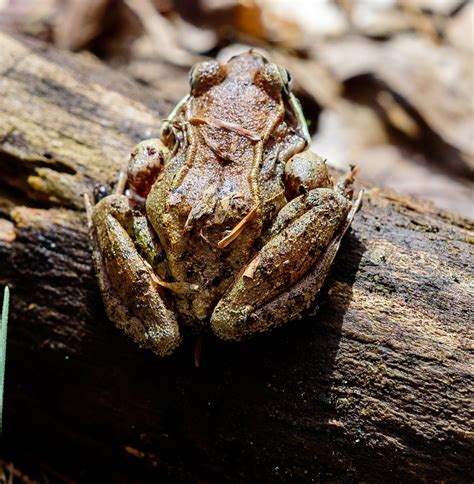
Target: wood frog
227,222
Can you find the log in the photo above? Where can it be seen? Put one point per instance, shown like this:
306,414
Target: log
372,386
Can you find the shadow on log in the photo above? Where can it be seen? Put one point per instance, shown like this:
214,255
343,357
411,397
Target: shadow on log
373,387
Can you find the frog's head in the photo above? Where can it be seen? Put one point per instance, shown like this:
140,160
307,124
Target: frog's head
246,68
248,94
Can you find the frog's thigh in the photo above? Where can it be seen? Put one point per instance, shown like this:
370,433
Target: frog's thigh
130,296
283,279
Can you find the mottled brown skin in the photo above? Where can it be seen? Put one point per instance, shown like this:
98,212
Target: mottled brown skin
227,221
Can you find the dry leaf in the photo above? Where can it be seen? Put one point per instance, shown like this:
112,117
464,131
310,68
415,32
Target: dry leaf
442,7
436,81
79,22
407,172
345,130
290,24
162,33
379,19
460,30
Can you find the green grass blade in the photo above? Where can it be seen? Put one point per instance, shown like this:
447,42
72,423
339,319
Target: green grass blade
3,348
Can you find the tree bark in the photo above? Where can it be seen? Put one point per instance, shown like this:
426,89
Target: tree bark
372,387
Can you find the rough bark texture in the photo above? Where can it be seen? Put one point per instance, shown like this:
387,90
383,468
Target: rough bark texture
374,387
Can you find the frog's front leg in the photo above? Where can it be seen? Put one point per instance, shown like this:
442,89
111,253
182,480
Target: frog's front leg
305,171
132,297
144,166
285,276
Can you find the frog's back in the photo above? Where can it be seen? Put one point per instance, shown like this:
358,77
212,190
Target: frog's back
213,183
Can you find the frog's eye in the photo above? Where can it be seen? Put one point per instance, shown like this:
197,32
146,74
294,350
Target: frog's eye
283,74
289,79
270,78
286,78
205,75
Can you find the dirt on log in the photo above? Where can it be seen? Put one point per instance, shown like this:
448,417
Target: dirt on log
374,386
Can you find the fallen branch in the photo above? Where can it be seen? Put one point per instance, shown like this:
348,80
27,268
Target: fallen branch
373,387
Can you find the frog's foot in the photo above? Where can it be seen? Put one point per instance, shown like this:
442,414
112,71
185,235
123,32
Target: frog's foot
132,298
281,282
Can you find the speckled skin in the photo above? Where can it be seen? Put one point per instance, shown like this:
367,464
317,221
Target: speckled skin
227,222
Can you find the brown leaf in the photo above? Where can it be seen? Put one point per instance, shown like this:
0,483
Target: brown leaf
79,22
434,80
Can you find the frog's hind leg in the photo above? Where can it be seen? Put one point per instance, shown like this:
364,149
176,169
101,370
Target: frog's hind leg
281,282
132,298
292,304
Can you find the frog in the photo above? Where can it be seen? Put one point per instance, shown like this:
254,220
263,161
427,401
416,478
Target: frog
227,223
